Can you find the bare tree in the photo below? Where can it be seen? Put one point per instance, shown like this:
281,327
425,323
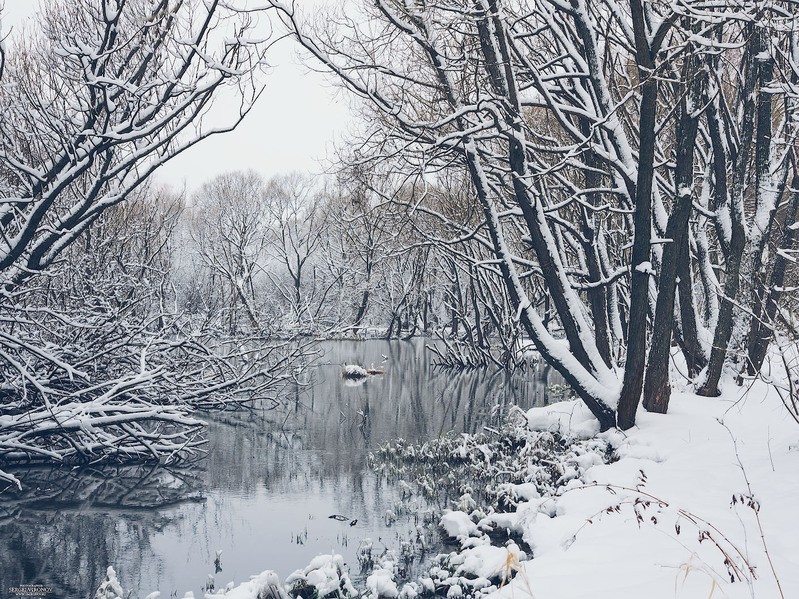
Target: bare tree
92,102
751,184
584,175
298,212
360,226
229,221
387,263
97,102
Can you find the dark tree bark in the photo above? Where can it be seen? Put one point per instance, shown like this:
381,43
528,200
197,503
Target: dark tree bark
633,381
657,388
724,326
695,358
596,293
362,307
499,70
479,340
764,305
762,330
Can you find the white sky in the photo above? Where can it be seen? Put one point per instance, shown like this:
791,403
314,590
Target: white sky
292,127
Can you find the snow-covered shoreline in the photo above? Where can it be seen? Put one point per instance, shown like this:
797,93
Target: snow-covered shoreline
699,503
691,490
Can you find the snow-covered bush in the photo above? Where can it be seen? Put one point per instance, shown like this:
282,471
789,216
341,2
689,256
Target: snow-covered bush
324,576
488,479
493,469
110,587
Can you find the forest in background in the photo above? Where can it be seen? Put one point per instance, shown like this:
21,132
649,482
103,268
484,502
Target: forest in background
608,182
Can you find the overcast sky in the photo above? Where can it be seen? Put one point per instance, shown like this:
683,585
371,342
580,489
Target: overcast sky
292,127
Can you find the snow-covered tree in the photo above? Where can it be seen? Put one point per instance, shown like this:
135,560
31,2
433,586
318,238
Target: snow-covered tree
229,221
299,217
625,158
94,97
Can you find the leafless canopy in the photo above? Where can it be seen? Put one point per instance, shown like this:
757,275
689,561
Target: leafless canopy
96,95
628,166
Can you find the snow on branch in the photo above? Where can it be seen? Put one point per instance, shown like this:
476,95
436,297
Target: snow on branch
97,362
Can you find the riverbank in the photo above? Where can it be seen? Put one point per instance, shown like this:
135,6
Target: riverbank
701,503
696,503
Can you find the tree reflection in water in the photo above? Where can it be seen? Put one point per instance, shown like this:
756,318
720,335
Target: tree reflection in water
264,491
67,525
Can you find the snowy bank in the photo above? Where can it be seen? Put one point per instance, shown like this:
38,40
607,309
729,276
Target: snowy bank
700,497
324,576
696,503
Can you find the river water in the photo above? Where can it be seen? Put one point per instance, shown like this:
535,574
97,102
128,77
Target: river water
265,490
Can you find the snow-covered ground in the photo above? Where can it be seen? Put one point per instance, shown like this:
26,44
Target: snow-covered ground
690,475
702,502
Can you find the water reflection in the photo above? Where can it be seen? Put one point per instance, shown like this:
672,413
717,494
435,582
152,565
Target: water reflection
265,490
68,525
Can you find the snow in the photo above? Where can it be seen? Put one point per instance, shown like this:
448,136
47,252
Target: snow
632,528
110,587
697,498
458,524
502,521
526,491
427,584
454,592
326,573
266,584
645,267
354,371
488,561
380,583
786,254
570,417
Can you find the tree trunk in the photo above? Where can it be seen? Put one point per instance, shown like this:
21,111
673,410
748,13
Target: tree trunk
770,189
657,388
361,309
633,381
478,326
770,185
724,326
691,348
596,293
541,237
762,330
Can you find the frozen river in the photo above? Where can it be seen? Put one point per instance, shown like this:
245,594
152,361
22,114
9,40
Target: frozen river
266,488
